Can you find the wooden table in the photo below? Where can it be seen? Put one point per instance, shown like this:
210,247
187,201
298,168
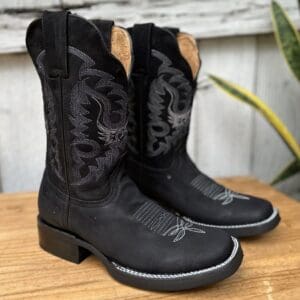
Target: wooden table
271,267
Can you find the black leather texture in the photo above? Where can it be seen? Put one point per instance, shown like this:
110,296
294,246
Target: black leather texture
85,189
160,110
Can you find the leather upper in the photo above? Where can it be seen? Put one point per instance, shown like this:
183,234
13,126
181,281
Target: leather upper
184,188
160,111
85,190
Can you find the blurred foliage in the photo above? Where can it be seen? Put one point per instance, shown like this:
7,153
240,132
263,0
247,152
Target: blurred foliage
288,40
287,37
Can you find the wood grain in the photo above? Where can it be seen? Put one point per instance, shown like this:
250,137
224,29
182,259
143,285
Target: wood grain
271,267
202,18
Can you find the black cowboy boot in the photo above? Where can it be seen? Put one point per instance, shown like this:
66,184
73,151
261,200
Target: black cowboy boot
87,203
164,78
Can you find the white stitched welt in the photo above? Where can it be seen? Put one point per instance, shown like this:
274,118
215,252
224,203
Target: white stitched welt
180,275
269,219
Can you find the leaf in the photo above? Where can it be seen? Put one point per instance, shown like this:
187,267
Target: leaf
287,37
290,170
246,96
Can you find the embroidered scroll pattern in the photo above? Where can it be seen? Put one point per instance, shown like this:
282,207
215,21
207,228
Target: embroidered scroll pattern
170,92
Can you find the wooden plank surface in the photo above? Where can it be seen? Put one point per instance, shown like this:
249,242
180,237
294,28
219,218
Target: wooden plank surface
271,267
203,18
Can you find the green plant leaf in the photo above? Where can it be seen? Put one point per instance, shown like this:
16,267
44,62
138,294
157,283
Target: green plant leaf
291,169
287,37
246,96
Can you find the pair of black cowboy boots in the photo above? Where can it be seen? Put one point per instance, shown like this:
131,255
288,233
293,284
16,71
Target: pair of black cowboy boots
148,214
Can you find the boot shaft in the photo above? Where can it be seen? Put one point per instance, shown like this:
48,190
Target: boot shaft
85,101
164,79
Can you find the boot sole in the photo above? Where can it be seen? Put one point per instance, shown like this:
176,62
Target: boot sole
69,247
247,230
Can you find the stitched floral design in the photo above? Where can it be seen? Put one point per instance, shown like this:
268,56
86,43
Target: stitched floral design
170,92
91,155
212,190
94,87
228,196
163,222
179,230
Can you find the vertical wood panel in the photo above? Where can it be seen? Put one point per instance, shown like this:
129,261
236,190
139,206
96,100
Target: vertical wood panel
281,91
221,129
22,139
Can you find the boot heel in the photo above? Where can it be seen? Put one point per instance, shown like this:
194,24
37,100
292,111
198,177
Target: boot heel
60,243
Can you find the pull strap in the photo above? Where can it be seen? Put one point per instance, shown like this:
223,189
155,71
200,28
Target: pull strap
141,40
55,36
105,28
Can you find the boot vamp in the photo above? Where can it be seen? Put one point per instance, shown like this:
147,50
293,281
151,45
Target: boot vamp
193,194
136,232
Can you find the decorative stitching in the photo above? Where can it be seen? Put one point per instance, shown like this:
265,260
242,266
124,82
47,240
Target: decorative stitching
50,120
171,84
180,229
268,220
132,124
100,88
164,223
215,191
181,275
91,157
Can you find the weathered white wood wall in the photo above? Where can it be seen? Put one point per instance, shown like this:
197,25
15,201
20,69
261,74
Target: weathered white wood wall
227,137
203,18
230,138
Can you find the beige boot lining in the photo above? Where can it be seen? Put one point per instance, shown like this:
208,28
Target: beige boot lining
189,50
121,47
